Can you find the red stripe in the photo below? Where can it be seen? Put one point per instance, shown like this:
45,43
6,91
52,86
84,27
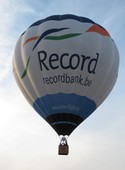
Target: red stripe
98,29
30,39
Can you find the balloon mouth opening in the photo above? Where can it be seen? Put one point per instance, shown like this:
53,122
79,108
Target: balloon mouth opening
64,123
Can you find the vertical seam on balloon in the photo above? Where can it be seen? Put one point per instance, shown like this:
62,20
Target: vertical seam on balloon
75,84
44,86
112,65
102,84
18,76
92,77
59,18
34,85
29,79
101,45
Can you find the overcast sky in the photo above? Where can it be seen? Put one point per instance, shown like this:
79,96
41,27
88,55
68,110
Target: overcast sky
27,142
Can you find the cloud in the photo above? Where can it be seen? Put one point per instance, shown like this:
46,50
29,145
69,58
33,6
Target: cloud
8,35
114,22
6,39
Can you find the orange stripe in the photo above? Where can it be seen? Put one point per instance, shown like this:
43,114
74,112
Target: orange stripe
98,29
30,39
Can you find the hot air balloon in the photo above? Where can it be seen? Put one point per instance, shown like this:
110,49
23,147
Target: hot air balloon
65,66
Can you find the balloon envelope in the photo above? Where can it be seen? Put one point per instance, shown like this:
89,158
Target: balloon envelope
65,66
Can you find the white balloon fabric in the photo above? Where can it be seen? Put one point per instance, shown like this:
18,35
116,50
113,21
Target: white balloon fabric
65,66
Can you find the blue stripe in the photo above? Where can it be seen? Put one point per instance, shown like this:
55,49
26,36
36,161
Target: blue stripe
46,33
64,103
62,17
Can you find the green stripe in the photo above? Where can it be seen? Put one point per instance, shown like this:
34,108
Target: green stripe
25,71
62,37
